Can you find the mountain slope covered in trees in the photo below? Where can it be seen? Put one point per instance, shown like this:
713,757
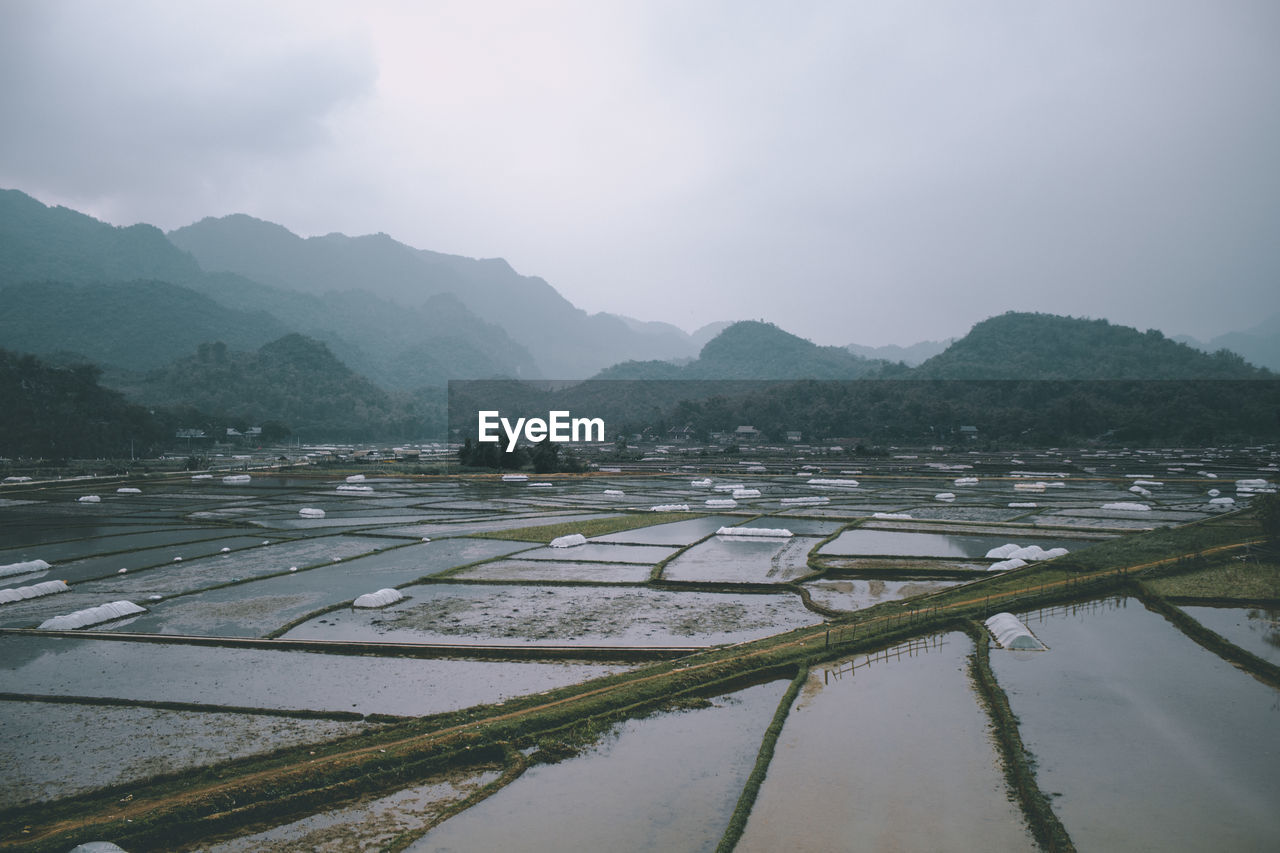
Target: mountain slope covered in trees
294,380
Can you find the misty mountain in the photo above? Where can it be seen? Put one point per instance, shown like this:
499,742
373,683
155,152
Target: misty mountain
911,355
1045,346
565,341
39,243
295,380
1258,344
751,349
136,325
122,314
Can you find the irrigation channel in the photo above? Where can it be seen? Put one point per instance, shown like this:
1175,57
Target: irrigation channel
678,684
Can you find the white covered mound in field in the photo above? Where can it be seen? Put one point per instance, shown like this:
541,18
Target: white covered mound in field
772,532
1125,506
33,591
92,616
570,541
311,512
1030,553
381,598
24,568
1010,633
669,508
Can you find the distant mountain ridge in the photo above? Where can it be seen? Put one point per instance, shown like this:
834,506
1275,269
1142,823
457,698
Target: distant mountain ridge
407,317
752,349
911,355
565,341
140,304
1259,344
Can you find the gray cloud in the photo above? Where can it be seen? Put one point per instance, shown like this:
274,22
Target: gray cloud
854,172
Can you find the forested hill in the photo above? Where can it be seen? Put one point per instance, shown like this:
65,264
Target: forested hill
294,380
57,412
39,243
1046,346
755,350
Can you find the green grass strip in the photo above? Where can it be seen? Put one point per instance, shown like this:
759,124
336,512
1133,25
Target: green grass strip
747,800
588,527
1046,827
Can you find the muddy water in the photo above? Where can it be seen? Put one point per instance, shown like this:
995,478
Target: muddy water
743,559
259,607
673,533
603,553
887,542
1253,629
364,826
191,575
56,750
668,782
1145,740
495,613
857,594
257,678
887,753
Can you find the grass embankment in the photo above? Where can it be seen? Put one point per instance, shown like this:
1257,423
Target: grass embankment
751,790
1228,581
588,527
1263,670
1018,769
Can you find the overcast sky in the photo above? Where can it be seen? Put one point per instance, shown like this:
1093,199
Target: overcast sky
854,171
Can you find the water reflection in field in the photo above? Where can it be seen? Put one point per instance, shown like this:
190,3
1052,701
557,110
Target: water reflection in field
1145,740
887,752
667,782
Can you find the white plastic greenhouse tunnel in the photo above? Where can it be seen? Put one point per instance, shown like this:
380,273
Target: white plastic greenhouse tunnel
570,541
92,616
27,567
756,532
34,591
1010,633
381,598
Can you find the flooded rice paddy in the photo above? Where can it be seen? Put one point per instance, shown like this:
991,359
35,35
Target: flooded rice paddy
887,751
667,782
1254,629
1144,739
1141,737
